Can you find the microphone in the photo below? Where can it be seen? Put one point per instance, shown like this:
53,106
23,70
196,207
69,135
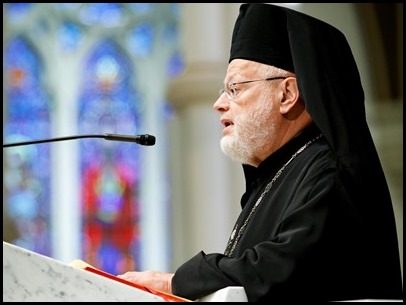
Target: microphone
144,139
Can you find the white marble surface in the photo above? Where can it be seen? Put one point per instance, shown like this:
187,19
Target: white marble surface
229,294
32,277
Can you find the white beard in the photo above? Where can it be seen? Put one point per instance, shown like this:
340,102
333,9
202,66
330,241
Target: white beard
251,131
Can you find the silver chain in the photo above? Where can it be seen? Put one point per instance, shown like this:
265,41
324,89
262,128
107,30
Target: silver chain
232,243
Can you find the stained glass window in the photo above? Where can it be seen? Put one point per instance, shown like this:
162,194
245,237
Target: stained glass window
109,171
87,68
26,175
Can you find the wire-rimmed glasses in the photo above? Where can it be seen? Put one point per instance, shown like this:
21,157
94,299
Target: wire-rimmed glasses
231,91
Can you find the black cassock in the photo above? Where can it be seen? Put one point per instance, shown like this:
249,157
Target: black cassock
324,228
310,237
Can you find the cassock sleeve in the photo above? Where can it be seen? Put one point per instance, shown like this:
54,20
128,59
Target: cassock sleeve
281,244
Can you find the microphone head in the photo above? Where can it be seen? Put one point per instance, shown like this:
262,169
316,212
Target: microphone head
147,140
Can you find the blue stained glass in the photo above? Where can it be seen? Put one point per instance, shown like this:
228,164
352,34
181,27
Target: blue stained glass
17,11
109,255
27,167
70,35
167,111
23,204
24,79
106,71
106,14
142,8
176,65
140,39
110,170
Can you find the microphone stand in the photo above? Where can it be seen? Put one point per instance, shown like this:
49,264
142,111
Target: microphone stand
140,139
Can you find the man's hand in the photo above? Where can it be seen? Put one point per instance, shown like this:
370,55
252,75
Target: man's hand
153,279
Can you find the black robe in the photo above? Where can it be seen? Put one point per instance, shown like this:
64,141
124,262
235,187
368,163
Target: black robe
326,229
310,238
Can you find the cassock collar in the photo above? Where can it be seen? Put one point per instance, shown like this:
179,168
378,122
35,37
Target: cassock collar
274,162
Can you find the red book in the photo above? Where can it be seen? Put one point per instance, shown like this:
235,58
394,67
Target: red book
166,296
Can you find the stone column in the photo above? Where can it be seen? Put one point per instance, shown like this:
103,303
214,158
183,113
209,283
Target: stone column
206,185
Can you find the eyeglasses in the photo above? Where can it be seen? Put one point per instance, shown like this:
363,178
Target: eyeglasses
231,92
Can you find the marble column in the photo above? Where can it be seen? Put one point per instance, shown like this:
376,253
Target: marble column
206,185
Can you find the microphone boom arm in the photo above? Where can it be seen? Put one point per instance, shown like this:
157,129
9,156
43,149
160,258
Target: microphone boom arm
141,139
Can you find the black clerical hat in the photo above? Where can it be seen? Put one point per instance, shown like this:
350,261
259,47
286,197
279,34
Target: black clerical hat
330,86
326,72
260,34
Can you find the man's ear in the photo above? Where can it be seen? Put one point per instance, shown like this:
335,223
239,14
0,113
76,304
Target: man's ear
291,103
